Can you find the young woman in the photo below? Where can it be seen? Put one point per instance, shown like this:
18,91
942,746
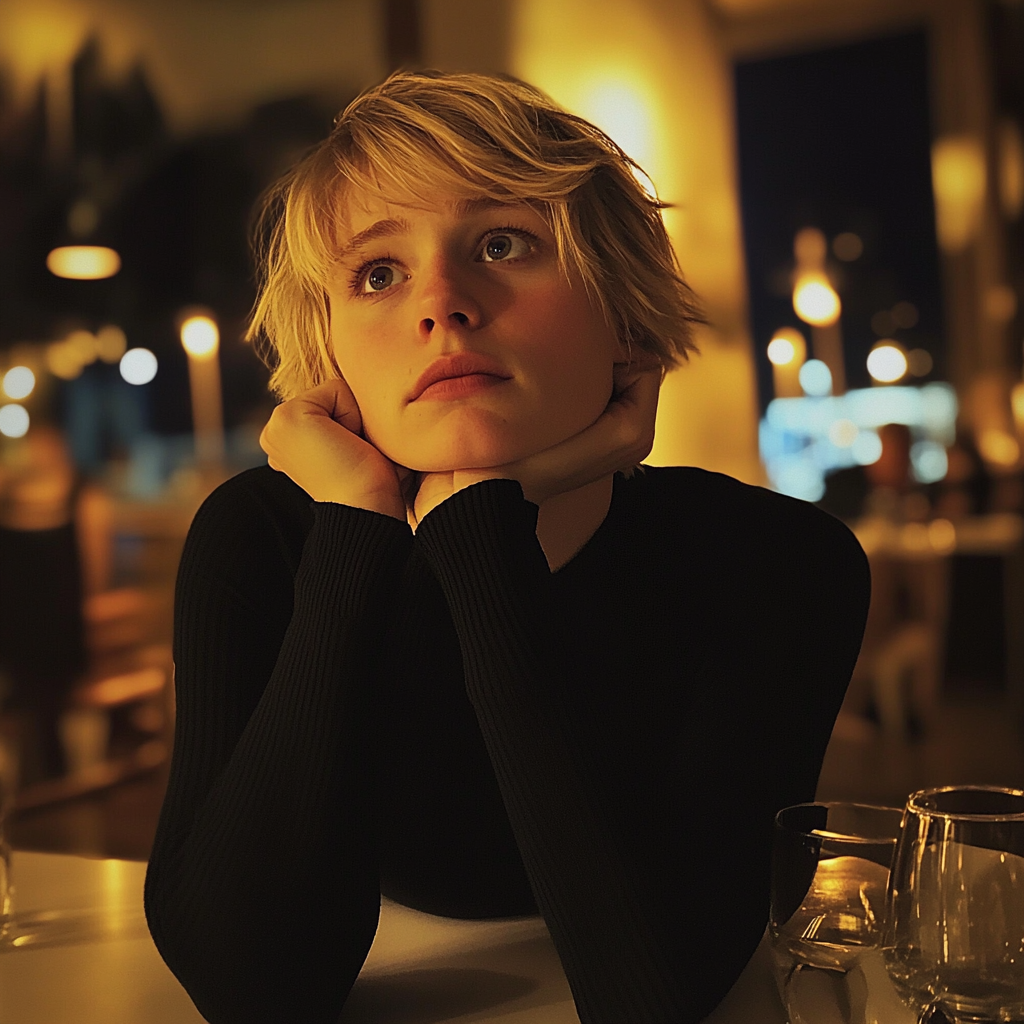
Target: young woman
452,646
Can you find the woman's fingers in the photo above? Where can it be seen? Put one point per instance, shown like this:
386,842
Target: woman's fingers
620,438
331,401
315,440
335,399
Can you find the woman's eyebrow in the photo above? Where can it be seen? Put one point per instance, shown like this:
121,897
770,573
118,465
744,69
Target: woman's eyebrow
382,229
395,225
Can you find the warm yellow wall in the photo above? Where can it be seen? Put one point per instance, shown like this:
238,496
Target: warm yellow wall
623,62
209,62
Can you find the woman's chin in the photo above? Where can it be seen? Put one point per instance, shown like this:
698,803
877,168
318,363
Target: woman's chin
475,453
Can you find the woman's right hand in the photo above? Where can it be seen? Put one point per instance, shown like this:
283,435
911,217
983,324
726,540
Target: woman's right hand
315,440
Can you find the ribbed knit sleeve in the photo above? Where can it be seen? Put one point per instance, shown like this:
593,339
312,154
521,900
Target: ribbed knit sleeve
262,892
572,836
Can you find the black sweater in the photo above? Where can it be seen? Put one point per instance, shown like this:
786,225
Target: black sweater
442,719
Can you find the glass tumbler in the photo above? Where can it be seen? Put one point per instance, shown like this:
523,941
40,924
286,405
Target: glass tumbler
954,936
830,870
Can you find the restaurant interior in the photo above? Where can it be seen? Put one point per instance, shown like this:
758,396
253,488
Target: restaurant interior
845,181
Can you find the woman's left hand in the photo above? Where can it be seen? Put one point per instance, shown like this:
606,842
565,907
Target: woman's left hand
621,437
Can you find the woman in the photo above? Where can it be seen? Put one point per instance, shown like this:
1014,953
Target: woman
484,672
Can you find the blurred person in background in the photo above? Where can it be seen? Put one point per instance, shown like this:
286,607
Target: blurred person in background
885,487
55,551
897,678
42,634
453,645
966,489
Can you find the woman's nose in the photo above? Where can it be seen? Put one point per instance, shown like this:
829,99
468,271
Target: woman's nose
448,301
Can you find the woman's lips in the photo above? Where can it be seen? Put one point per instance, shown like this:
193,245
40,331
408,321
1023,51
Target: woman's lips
456,375
458,387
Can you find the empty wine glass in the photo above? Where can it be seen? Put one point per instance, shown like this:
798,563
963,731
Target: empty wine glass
954,935
830,870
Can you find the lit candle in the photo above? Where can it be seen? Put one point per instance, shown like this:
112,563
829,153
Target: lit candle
201,340
817,303
787,351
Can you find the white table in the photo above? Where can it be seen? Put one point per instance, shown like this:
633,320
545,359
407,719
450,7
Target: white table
81,954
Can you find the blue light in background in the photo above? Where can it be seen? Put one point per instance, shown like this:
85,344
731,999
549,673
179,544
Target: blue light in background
816,378
798,436
929,461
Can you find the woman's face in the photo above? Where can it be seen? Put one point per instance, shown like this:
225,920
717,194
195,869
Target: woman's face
464,343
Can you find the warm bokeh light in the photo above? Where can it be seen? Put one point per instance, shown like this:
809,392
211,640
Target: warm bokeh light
83,262
1011,169
19,381
815,300
62,361
942,534
1017,405
887,362
905,315
810,248
958,183
14,420
200,337
66,359
843,433
847,247
1000,303
998,448
138,366
920,362
83,345
816,378
111,343
787,347
787,351
781,351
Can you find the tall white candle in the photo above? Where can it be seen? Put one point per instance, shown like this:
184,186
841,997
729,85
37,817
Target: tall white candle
201,341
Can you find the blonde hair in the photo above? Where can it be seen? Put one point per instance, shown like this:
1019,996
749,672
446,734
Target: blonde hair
474,136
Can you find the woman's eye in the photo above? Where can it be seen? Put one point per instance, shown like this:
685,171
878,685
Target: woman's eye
505,247
379,278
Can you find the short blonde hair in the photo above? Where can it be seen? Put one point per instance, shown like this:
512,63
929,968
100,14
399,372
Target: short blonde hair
475,136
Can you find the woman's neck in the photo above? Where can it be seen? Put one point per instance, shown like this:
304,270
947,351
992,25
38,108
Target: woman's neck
567,521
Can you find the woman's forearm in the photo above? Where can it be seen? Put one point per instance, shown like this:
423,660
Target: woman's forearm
570,833
262,892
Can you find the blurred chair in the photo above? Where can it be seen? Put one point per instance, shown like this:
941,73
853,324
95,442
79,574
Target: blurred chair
899,671
88,676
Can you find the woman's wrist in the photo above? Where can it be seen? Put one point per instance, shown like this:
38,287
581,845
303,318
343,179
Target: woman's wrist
383,504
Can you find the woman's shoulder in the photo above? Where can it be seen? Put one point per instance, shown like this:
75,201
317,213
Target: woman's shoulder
723,514
259,513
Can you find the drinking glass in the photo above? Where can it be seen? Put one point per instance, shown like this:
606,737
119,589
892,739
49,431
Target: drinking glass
830,869
954,937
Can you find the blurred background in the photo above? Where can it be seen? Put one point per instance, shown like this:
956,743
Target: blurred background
847,187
